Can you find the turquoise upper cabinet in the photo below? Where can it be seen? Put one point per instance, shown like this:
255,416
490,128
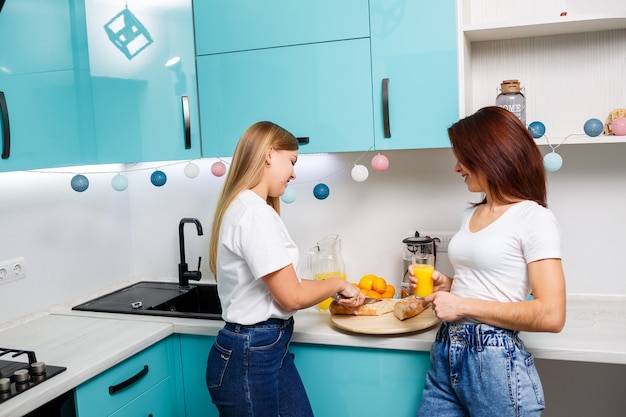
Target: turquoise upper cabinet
303,65
45,112
414,72
317,91
239,25
142,67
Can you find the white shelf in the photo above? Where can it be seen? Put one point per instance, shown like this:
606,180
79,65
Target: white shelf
569,66
581,139
544,27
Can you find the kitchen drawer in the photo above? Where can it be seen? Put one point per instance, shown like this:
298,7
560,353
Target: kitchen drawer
157,401
114,388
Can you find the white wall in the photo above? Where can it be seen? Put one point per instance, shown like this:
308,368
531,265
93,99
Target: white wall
75,243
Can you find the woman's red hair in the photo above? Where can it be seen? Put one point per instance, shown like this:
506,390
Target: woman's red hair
495,143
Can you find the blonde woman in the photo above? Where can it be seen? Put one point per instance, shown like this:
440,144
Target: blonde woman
250,371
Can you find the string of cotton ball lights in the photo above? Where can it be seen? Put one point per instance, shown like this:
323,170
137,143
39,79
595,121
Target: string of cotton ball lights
552,161
359,173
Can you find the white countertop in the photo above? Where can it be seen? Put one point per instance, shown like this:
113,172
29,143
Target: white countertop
88,343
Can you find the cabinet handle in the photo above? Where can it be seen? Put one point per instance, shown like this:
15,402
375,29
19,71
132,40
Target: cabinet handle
386,108
6,131
130,381
185,101
303,140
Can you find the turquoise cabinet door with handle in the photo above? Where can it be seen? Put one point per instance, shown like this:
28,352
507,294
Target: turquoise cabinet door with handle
142,68
135,383
414,72
239,25
46,119
317,91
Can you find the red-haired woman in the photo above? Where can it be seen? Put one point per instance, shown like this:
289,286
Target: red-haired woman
508,246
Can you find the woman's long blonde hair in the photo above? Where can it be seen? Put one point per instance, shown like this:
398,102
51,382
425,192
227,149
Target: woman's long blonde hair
246,171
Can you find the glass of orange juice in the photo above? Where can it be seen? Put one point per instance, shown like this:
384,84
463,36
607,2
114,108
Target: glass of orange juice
320,276
423,267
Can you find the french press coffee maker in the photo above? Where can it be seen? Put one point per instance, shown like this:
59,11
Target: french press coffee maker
414,245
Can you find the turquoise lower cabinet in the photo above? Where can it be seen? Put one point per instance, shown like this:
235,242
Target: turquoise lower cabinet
354,382
414,72
319,91
147,383
194,353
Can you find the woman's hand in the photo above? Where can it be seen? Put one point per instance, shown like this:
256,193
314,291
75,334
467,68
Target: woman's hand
441,282
350,295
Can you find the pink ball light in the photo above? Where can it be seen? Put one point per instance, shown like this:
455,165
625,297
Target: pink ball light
218,169
380,163
619,126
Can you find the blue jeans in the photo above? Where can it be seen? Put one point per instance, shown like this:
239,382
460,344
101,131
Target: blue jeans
482,371
251,373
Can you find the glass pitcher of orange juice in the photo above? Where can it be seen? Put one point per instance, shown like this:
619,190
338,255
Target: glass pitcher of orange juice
325,261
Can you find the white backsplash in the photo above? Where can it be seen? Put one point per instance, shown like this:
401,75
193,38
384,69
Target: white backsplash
76,243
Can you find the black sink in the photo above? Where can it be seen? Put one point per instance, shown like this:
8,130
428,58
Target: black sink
160,299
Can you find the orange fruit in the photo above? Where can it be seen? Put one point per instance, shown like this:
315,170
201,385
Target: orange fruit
379,285
372,294
366,281
390,292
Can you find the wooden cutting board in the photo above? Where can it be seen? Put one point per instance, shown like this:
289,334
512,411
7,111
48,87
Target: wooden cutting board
385,324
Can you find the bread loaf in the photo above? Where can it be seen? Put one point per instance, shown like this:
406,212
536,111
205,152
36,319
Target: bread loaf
409,307
378,308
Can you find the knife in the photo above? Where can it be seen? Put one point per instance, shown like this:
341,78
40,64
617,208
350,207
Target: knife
368,300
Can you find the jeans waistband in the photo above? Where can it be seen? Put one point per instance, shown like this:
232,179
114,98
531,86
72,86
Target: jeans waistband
477,335
267,324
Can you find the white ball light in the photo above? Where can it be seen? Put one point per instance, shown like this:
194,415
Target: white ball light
360,173
192,170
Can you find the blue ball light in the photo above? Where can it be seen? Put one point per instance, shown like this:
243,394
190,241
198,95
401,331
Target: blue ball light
593,127
321,191
158,178
79,183
552,162
119,182
537,129
289,196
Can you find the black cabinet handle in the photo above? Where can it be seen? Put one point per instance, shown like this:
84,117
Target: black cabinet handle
6,130
303,140
130,381
386,108
185,101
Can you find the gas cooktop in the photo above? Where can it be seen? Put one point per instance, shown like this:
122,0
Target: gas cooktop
17,377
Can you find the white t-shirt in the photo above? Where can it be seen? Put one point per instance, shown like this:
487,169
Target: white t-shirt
492,264
253,242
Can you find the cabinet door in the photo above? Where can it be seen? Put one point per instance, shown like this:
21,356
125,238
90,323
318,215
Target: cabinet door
414,47
375,382
46,111
194,353
144,91
238,25
320,91
127,381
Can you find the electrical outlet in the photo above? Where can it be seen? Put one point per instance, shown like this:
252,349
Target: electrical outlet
12,270
442,239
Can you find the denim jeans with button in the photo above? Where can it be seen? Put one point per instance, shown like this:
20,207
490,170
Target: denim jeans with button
250,372
480,371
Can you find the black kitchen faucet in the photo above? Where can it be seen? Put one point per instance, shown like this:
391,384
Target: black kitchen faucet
184,275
